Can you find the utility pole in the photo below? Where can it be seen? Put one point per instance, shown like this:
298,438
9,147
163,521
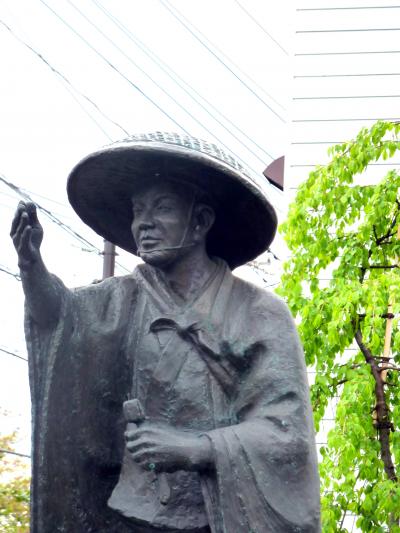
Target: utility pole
108,259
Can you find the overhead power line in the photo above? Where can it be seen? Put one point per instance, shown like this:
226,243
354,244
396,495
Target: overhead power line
13,354
176,102
11,452
13,274
48,213
364,119
304,165
129,58
363,52
23,194
347,30
182,84
260,26
14,197
114,68
188,26
111,65
347,97
347,75
336,8
68,85
61,204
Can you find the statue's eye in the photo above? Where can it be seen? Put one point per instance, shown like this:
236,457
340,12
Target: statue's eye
164,207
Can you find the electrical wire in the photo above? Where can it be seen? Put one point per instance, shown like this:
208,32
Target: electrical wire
55,219
374,119
181,83
113,67
344,8
347,97
264,277
134,85
13,354
13,274
348,53
188,25
129,58
131,83
12,207
260,26
68,85
347,75
176,102
185,23
347,30
15,453
29,191
48,213
369,165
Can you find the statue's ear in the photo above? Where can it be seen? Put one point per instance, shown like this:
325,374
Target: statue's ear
203,219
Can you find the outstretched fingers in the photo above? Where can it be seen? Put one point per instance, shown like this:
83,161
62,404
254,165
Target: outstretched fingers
17,218
22,225
25,241
32,212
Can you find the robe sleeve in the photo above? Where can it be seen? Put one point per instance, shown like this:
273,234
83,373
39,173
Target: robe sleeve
265,477
42,343
79,376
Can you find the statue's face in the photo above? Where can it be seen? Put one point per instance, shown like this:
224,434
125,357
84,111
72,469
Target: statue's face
162,222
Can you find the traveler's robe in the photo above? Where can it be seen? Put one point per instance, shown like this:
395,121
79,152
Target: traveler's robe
226,365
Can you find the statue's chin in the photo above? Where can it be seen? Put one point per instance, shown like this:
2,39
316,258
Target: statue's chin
160,258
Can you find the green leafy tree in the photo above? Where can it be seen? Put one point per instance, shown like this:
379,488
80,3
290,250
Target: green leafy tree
14,489
343,273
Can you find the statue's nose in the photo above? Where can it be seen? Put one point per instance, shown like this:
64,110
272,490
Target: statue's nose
146,223
144,219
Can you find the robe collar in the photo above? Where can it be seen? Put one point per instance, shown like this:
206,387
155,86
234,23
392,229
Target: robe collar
205,306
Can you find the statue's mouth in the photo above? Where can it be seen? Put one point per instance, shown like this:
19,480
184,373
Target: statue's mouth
147,241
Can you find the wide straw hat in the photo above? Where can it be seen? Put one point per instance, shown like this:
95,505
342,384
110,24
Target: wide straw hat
101,186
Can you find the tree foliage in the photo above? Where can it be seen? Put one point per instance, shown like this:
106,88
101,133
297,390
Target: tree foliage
343,272
14,490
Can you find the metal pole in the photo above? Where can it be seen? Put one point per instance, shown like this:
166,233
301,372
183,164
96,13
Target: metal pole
108,259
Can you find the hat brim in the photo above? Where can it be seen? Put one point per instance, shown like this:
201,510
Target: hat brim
101,186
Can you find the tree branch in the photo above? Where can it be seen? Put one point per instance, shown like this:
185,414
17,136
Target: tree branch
382,424
381,369
381,266
389,233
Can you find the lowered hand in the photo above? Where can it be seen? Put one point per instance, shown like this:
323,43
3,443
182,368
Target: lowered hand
165,449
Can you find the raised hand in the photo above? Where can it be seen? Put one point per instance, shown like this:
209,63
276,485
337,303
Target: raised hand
27,234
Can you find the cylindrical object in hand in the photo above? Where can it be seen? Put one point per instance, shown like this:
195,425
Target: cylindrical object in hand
134,415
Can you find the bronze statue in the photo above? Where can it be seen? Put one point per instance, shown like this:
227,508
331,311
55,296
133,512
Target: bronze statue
175,398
